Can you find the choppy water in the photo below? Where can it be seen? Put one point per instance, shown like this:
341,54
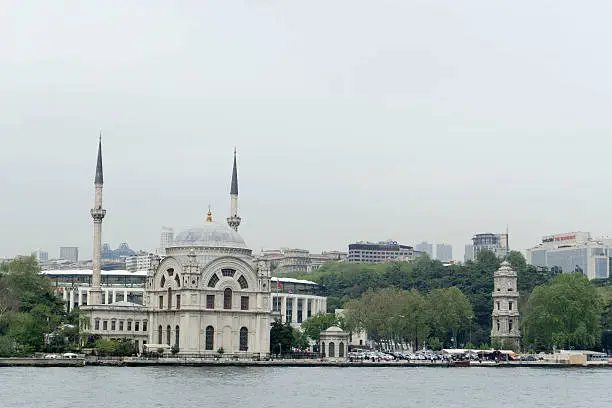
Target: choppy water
312,387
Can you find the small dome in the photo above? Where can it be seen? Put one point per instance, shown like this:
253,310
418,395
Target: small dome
211,234
334,329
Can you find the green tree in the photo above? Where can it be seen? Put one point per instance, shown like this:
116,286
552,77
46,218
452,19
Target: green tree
450,312
105,347
317,323
281,337
566,312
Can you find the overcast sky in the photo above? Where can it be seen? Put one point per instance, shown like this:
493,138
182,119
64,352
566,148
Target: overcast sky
354,120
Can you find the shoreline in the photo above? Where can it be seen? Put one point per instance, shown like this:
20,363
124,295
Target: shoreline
176,362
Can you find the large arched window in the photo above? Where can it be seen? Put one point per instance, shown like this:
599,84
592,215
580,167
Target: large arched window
210,336
227,298
332,351
159,335
168,335
340,349
176,336
213,281
244,339
243,282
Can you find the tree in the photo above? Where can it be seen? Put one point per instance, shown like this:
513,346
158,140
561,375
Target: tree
450,312
317,323
564,313
281,337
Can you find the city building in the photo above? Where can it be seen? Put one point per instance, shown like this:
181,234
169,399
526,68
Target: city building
444,252
293,300
385,251
122,252
496,243
208,293
139,262
165,240
505,330
294,260
69,253
41,256
573,252
425,247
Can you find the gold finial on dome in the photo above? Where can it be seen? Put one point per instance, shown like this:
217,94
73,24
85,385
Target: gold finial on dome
209,215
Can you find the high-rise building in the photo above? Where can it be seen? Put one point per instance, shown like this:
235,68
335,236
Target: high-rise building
496,243
385,251
573,252
69,253
41,256
444,252
165,239
425,247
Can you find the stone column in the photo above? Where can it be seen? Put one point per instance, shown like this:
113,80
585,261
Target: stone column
114,295
71,300
305,309
80,297
294,310
284,308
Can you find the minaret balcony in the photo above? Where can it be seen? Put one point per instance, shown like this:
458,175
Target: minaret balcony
98,214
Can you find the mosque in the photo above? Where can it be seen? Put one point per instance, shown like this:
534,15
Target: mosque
209,293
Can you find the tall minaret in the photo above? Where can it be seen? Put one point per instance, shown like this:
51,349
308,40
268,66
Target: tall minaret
234,220
97,213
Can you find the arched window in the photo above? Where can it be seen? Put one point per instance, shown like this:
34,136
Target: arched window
168,335
228,272
176,336
227,298
213,281
243,282
323,348
163,281
210,337
170,271
177,279
332,351
340,349
159,335
244,339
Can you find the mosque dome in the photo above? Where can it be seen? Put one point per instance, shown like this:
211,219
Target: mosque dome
211,234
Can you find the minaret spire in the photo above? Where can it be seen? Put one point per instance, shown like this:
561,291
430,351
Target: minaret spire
97,213
234,220
99,174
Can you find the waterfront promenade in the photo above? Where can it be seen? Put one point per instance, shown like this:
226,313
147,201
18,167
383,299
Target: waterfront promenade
191,362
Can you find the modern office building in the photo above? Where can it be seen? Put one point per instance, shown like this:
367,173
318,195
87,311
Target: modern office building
122,252
425,247
165,239
69,253
573,252
384,251
41,256
444,252
496,243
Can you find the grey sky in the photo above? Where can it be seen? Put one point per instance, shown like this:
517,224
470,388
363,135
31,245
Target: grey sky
354,120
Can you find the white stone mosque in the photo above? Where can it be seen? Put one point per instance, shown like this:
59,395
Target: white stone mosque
208,293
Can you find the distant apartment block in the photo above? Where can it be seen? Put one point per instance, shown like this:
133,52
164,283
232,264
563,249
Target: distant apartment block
444,252
69,253
496,243
140,262
41,256
294,260
384,251
573,252
425,247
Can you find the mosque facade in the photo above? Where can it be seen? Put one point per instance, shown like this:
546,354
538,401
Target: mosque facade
209,294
